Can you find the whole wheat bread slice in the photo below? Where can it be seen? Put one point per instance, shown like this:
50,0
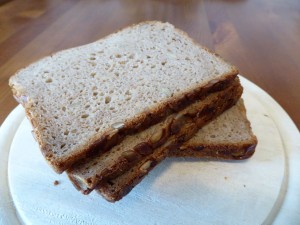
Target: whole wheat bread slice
228,137
92,171
93,95
222,139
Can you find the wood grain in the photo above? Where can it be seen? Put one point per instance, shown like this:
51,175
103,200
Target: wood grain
260,37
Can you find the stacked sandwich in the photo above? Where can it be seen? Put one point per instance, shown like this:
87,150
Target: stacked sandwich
108,112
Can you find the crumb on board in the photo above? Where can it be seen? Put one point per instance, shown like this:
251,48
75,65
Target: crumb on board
225,178
56,182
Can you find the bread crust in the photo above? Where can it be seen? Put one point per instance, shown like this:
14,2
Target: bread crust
217,152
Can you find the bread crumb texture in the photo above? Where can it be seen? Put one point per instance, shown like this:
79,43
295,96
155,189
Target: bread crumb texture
232,125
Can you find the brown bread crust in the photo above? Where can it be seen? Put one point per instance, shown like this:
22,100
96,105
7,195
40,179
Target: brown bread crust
217,152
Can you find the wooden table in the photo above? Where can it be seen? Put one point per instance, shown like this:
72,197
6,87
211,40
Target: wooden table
262,38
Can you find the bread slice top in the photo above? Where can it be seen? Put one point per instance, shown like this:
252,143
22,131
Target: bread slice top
230,128
76,97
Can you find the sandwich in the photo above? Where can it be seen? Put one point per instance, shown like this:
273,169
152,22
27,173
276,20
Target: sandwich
108,112
85,100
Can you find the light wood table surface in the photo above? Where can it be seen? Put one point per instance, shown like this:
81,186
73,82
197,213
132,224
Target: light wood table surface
262,38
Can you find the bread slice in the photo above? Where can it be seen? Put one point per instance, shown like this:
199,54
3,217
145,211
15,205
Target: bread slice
236,141
87,98
92,171
228,137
